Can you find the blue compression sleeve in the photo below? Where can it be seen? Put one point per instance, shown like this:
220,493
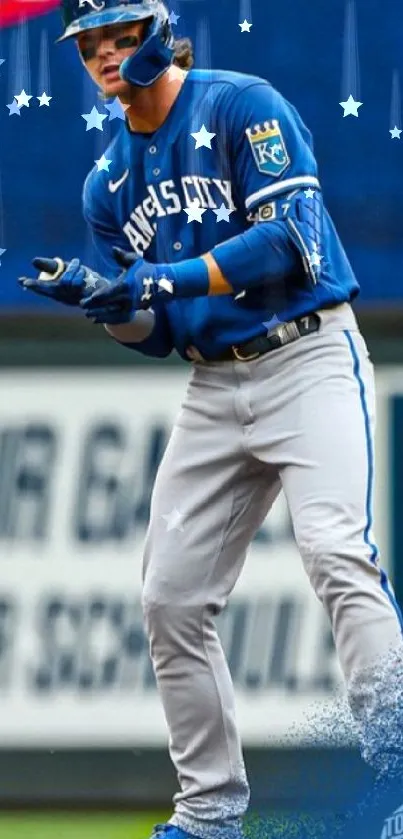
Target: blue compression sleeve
262,254
191,277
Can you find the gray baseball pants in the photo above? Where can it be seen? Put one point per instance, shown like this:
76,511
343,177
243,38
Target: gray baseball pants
300,419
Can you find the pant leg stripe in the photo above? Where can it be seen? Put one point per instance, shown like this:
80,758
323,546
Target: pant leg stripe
370,482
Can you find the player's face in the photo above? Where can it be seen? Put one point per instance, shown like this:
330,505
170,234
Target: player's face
103,50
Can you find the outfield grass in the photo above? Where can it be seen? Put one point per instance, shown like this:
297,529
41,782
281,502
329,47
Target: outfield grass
139,826
69,826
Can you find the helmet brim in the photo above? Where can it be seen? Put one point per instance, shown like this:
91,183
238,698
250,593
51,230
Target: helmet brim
107,17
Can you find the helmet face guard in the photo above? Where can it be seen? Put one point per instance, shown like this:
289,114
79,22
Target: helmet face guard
156,53
153,58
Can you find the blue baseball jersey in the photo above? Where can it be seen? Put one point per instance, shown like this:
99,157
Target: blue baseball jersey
261,153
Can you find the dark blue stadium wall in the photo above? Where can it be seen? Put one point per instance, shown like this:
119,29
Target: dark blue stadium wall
46,153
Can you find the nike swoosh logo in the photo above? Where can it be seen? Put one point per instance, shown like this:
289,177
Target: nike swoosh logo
114,185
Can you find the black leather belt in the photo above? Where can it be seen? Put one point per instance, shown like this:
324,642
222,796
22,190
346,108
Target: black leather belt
279,336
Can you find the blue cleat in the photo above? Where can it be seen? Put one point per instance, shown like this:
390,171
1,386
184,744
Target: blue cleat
170,831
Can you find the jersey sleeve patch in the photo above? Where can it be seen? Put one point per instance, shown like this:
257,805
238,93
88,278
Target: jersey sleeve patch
268,148
265,212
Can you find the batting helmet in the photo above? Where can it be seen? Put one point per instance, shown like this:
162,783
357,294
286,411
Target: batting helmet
156,53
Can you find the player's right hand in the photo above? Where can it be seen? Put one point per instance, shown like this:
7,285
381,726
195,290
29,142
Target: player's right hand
71,281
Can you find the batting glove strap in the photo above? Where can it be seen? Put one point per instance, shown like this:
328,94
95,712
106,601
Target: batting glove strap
189,278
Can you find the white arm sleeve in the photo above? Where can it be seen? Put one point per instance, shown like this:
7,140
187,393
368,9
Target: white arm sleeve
134,332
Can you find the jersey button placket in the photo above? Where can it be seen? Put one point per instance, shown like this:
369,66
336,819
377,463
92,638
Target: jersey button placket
154,150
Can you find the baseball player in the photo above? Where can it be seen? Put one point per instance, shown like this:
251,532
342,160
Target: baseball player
215,241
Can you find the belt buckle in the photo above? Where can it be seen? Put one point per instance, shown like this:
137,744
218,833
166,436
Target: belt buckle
239,357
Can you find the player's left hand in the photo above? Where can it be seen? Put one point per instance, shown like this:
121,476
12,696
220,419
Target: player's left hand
137,288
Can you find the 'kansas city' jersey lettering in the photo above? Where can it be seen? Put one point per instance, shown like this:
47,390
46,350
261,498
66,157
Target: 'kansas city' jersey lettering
261,154
165,199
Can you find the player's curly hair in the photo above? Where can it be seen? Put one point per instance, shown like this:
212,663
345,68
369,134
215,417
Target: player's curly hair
184,53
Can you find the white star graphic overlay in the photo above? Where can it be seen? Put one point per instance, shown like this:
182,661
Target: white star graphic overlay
44,99
271,324
94,119
315,258
116,109
223,213
164,284
103,163
172,520
91,281
194,212
350,107
13,108
22,99
203,138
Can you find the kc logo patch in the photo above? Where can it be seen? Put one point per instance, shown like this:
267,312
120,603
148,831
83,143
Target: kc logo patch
268,147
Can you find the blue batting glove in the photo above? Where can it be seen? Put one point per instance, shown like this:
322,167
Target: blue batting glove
137,288
69,287
143,284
